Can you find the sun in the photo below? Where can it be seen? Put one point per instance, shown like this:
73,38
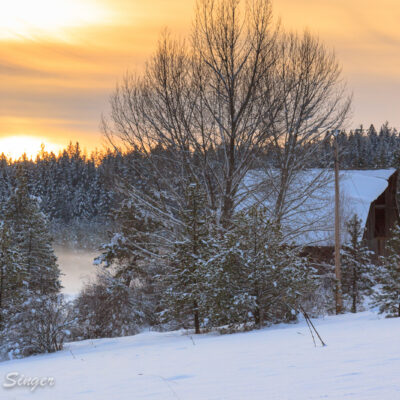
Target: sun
15,146
26,18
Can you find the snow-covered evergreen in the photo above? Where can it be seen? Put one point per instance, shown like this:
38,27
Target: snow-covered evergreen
357,267
185,276
261,278
39,271
388,276
32,312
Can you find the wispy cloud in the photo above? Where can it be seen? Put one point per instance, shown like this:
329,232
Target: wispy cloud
58,85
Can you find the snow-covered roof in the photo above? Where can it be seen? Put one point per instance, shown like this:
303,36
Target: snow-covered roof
308,216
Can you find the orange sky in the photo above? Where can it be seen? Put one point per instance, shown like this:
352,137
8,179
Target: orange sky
60,59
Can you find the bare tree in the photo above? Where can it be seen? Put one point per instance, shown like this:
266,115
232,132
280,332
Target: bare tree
313,105
237,51
204,110
203,103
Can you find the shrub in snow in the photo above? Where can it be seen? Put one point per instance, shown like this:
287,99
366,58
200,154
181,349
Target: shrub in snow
320,299
357,267
107,308
40,324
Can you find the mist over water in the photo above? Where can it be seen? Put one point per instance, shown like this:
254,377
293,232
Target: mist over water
76,266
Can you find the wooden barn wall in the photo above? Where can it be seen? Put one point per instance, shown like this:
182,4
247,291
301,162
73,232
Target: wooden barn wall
377,229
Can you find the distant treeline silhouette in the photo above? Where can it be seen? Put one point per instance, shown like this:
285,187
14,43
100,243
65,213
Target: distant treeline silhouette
78,191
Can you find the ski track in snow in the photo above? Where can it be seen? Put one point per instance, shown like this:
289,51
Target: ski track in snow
361,361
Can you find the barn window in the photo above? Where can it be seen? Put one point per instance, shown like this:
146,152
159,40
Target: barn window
380,222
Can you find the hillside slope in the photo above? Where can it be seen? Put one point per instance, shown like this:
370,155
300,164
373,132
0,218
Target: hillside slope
361,361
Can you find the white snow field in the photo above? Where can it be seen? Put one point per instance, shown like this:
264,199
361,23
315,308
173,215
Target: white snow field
361,361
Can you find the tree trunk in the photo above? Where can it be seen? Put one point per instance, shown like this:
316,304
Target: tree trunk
196,318
1,292
259,311
261,316
354,305
1,286
257,316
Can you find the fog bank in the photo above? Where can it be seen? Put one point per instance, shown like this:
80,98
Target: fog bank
76,266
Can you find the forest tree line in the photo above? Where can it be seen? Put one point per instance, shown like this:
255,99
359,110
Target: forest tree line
78,192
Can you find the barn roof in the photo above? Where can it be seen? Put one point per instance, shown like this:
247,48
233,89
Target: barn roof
309,215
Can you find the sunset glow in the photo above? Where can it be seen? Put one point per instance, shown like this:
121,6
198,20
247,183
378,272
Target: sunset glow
26,18
60,59
14,146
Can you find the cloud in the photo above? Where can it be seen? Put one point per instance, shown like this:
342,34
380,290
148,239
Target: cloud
62,84
46,78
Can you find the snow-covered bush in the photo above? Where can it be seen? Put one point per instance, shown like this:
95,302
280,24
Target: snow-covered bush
40,324
320,299
357,267
107,308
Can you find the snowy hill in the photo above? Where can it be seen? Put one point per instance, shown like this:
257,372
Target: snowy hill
361,361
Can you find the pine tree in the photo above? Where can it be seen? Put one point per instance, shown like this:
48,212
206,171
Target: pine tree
32,311
185,275
253,276
130,242
31,236
277,277
11,278
226,300
388,275
357,266
128,258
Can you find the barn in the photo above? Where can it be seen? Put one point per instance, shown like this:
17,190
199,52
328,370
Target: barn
309,216
383,214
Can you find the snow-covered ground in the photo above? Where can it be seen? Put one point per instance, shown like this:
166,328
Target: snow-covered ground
361,361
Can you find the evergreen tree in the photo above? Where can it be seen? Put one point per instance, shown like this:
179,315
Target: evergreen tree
11,276
31,236
186,274
388,275
357,267
277,276
227,300
31,309
128,259
130,242
253,276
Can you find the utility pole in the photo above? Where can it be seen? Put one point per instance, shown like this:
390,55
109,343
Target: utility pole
338,270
